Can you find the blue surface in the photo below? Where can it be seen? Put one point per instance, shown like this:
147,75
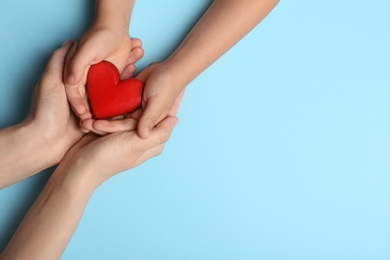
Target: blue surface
282,151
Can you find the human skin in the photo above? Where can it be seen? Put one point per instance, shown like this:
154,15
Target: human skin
224,24
107,39
50,128
52,220
57,212
47,133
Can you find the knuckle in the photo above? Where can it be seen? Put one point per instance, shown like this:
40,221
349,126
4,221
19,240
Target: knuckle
164,137
159,152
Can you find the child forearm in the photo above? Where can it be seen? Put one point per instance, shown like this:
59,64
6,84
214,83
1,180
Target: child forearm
223,25
115,14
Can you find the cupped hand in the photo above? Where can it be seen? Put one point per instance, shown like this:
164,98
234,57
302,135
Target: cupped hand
162,96
98,44
97,158
50,113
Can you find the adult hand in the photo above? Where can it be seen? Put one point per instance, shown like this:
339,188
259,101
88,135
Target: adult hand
91,161
98,158
48,131
49,113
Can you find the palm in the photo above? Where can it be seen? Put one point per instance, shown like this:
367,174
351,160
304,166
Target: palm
51,112
117,152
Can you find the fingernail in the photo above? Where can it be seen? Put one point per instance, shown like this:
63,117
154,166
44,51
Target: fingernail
67,42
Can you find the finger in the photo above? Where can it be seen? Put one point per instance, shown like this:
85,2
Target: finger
77,102
113,126
135,114
159,135
153,152
75,98
68,58
55,65
77,64
135,42
88,125
84,130
156,109
128,72
128,123
135,55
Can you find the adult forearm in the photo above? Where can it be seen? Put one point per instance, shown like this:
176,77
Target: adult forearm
222,26
54,217
23,152
115,14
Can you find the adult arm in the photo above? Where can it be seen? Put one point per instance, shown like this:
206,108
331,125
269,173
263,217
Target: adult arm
51,222
46,134
24,152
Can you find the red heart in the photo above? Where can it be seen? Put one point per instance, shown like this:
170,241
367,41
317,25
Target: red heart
108,95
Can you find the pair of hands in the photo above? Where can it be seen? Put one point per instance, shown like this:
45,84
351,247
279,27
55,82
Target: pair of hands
99,44
90,153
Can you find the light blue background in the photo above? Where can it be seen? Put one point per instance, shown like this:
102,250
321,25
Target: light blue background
282,150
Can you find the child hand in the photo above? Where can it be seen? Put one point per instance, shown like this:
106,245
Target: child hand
161,99
99,43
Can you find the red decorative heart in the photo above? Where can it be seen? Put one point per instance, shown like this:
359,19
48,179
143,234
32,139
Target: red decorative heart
108,95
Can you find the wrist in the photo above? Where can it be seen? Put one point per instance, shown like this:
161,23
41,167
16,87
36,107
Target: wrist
77,171
174,74
120,30
114,14
46,143
184,69
75,178
24,153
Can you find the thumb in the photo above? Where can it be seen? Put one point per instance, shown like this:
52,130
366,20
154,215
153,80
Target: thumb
56,63
77,61
156,109
161,133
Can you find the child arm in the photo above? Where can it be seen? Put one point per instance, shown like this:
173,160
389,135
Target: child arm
222,26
